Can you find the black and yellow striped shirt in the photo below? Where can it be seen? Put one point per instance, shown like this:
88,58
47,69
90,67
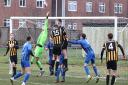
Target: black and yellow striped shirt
13,50
111,48
57,35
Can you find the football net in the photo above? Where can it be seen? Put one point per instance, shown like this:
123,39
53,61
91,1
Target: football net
95,28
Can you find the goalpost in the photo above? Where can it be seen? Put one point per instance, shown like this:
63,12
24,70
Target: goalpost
96,32
72,18
112,19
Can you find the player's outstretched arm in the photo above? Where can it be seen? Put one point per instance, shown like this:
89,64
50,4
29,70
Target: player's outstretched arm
45,27
31,53
74,41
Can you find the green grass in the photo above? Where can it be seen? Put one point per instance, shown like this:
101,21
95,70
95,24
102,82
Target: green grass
75,75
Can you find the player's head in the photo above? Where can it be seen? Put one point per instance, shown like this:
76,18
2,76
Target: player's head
83,36
12,36
110,36
58,22
29,38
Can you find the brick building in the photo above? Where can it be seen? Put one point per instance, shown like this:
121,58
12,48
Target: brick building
72,8
10,8
95,8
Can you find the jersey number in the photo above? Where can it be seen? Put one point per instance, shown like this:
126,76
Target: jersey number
56,32
110,46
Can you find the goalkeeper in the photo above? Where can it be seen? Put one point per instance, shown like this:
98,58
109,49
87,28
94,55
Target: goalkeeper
40,45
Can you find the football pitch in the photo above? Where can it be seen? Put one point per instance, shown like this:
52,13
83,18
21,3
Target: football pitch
75,75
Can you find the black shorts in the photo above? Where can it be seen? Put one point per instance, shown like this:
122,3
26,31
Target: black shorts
64,45
57,50
112,65
13,59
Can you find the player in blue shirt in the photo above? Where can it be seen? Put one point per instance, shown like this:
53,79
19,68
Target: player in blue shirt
90,56
49,46
25,63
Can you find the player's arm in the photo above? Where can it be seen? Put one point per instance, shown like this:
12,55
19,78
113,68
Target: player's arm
30,50
46,21
122,50
7,49
64,31
75,41
17,45
47,46
31,53
65,34
102,53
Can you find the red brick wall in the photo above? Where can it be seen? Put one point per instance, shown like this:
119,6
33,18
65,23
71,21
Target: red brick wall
109,7
81,8
15,10
125,10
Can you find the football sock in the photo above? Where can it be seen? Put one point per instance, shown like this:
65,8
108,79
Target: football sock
57,64
52,64
86,69
26,77
66,63
113,80
58,73
95,70
107,79
14,71
39,64
63,73
19,74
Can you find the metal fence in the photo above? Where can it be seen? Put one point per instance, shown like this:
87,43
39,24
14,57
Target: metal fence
22,33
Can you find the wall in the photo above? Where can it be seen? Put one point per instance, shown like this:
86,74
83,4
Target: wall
98,35
4,35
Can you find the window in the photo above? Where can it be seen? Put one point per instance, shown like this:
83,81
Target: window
89,7
22,23
102,7
118,8
22,3
39,23
69,26
7,3
7,23
40,3
72,26
72,5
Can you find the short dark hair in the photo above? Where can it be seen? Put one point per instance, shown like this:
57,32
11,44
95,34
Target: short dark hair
59,20
110,35
28,38
83,35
